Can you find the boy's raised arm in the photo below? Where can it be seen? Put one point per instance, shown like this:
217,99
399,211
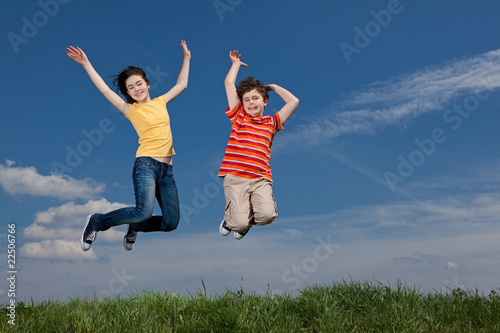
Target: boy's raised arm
291,102
80,57
182,79
230,81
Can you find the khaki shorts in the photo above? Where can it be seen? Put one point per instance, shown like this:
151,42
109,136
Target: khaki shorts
248,202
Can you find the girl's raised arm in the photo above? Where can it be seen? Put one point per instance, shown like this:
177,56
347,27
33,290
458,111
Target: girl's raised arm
80,57
182,79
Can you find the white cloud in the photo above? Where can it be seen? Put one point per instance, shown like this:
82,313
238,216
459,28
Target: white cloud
36,231
56,250
71,214
59,228
27,180
398,100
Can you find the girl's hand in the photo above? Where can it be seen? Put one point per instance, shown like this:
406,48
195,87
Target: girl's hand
185,49
235,58
77,55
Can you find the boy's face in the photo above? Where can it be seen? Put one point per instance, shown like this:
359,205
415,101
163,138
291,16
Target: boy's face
254,103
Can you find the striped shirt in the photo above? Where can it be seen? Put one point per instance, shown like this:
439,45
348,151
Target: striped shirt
248,150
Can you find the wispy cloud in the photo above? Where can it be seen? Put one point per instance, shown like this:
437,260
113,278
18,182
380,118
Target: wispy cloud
422,260
398,100
452,215
26,180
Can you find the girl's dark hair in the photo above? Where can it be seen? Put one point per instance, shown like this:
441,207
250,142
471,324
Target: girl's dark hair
249,84
119,81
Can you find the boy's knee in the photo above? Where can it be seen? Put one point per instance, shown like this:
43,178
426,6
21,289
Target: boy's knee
265,215
239,222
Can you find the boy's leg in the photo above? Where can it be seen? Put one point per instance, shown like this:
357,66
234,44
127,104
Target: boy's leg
238,214
263,202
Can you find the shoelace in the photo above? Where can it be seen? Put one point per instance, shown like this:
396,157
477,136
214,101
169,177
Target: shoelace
131,236
92,235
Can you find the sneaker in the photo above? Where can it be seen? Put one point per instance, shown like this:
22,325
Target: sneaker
239,236
223,229
88,235
129,239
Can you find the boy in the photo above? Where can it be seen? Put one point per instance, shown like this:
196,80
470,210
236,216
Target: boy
245,166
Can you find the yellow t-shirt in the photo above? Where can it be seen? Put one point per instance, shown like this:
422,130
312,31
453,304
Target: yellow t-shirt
152,123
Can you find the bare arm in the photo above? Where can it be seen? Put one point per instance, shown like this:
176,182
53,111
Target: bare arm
291,102
80,57
182,79
230,81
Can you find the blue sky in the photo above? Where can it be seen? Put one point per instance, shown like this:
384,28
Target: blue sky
388,170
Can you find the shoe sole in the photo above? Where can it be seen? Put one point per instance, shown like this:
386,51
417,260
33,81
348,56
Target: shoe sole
125,244
222,230
85,246
238,236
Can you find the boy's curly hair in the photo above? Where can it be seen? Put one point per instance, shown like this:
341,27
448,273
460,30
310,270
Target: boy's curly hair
248,84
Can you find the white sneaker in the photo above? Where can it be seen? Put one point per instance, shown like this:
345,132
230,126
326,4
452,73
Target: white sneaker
88,235
129,239
239,236
223,229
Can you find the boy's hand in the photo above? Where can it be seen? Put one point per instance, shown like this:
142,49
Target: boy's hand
77,55
235,58
185,49
270,87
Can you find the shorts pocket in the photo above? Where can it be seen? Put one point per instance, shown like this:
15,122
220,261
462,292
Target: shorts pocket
227,212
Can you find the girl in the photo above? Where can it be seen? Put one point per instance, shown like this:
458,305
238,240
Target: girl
152,173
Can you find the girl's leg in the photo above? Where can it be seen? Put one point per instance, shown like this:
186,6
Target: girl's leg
263,202
144,178
167,196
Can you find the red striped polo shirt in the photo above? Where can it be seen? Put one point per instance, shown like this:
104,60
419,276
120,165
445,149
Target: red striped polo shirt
248,150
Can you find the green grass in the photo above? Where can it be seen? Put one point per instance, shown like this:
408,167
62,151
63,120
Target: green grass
346,306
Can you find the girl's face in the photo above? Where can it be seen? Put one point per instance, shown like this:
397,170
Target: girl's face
138,88
254,103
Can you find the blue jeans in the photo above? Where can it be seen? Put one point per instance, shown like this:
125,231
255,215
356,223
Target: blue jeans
151,178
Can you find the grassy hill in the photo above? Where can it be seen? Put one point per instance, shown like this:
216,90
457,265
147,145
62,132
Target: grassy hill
346,306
